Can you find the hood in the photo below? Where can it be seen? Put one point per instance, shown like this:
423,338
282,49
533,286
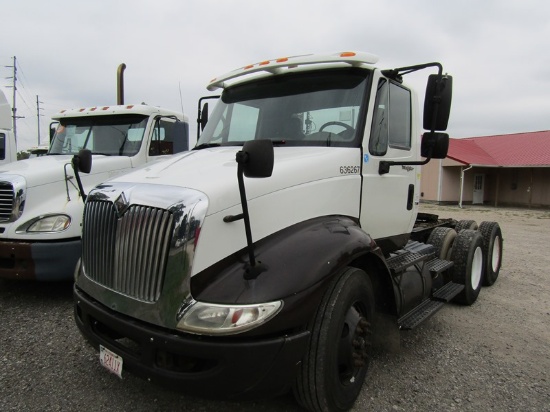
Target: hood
50,169
214,172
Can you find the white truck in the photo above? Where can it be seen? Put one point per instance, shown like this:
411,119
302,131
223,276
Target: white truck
41,204
8,146
274,253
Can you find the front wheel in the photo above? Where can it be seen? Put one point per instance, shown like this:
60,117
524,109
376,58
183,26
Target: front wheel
335,365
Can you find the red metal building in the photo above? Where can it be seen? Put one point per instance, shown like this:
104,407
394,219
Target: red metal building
503,170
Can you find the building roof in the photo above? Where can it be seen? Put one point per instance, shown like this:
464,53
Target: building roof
509,150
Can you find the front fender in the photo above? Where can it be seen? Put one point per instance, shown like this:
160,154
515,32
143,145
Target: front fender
300,261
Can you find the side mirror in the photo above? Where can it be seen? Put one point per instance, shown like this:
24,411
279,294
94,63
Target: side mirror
437,102
83,161
434,145
52,130
181,131
204,116
256,158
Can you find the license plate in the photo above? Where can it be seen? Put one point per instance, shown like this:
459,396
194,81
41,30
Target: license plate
110,360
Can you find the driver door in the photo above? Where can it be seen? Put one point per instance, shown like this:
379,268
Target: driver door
390,201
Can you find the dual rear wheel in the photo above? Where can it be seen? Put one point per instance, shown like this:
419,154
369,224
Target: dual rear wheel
476,252
467,255
492,251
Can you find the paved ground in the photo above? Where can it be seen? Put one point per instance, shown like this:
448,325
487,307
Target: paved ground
492,356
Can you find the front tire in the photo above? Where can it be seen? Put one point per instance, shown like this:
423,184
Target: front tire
467,256
336,362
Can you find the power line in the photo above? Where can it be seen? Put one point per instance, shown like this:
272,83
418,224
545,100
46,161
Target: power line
23,88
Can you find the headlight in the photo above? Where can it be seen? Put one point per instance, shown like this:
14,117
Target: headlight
213,319
48,223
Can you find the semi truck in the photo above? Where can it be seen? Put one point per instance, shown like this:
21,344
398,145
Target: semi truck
41,199
273,255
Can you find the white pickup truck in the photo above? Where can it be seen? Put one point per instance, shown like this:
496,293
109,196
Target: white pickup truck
270,256
40,203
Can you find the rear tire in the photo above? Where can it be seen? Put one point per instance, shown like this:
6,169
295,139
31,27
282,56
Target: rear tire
442,238
492,251
467,256
465,224
335,365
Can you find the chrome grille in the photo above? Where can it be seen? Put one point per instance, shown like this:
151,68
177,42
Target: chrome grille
6,201
127,254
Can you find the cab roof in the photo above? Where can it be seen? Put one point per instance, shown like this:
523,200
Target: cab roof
118,109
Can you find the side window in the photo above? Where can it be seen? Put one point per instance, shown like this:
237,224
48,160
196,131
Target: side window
168,138
391,121
2,146
400,117
378,144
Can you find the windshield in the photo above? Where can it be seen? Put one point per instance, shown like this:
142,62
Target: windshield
309,109
119,135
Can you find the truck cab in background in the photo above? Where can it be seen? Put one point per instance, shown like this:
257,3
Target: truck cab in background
41,205
8,146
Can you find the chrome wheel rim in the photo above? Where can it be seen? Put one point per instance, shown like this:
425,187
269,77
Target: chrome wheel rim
477,268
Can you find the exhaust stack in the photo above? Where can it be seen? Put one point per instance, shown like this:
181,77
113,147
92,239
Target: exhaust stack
120,84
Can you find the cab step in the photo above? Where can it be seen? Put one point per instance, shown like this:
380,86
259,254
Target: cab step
436,266
400,262
420,314
427,308
447,292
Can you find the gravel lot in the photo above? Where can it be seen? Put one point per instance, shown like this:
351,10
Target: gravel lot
492,356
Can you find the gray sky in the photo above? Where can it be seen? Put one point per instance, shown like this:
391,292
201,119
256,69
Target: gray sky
68,51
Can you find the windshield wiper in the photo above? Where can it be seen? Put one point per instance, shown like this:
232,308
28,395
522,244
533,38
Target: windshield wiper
206,146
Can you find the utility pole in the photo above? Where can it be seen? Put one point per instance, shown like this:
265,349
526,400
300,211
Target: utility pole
38,116
14,107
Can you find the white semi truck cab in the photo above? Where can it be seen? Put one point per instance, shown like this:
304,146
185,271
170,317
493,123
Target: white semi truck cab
41,204
270,256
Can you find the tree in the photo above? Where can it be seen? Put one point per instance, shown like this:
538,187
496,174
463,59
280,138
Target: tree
23,154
